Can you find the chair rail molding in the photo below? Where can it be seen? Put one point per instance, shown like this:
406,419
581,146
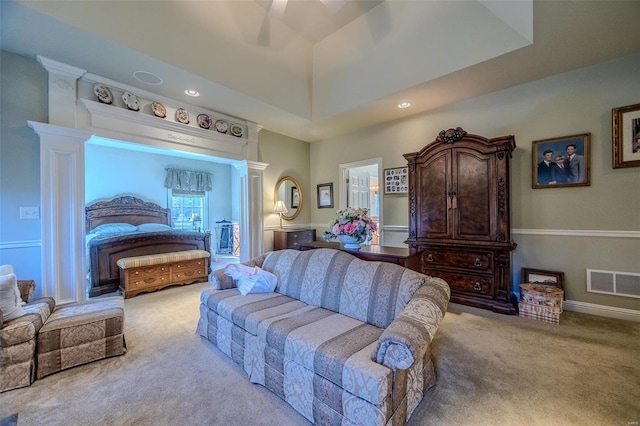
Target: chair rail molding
10,245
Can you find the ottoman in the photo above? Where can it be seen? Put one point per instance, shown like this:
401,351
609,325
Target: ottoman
80,333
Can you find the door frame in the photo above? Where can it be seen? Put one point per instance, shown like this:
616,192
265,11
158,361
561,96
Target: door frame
344,187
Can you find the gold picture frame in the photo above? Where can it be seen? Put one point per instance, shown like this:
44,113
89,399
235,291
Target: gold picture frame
626,136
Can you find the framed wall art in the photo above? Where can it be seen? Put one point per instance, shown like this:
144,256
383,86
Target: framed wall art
563,161
295,197
396,180
325,195
626,136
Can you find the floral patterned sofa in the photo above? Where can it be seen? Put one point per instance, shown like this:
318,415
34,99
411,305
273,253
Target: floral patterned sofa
342,340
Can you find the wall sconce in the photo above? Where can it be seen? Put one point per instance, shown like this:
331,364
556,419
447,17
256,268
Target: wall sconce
280,208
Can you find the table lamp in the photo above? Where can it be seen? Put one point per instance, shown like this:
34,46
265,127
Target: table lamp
280,208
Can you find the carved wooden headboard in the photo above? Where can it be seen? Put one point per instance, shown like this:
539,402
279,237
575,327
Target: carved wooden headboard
126,209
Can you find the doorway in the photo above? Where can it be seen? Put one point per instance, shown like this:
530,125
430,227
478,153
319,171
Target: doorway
359,188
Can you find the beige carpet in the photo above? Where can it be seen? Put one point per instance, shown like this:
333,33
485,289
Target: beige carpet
493,370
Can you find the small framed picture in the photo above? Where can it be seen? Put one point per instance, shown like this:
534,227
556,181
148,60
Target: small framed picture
396,180
537,276
295,197
626,136
563,161
325,195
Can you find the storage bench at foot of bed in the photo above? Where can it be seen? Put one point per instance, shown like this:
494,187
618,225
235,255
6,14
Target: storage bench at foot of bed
153,272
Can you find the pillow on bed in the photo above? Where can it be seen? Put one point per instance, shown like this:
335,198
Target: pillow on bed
114,228
154,227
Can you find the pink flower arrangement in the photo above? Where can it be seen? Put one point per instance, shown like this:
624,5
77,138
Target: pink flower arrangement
353,222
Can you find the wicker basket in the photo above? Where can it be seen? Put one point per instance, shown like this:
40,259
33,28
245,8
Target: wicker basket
538,312
541,302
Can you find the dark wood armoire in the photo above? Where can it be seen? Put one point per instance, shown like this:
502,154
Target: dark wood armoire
459,216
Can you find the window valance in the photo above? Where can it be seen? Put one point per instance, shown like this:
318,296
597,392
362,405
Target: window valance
188,182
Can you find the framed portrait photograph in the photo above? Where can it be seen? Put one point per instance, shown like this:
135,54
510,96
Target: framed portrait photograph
396,180
295,197
563,161
538,276
325,195
626,136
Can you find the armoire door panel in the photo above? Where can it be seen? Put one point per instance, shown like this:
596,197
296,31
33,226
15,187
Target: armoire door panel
473,197
434,217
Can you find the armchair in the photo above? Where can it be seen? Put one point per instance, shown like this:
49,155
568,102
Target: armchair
18,339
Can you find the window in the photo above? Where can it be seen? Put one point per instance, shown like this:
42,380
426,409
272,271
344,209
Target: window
188,212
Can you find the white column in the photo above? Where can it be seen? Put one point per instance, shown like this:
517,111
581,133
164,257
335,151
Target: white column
251,214
63,82
251,150
62,208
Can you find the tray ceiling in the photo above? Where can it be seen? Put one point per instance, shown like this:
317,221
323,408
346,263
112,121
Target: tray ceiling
323,68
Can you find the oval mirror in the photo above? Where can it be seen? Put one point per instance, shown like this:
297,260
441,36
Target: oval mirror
288,190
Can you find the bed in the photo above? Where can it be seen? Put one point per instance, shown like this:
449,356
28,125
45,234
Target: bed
128,226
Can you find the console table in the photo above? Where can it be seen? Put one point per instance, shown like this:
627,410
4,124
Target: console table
397,255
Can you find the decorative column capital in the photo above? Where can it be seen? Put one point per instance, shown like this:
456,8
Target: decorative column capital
63,81
55,67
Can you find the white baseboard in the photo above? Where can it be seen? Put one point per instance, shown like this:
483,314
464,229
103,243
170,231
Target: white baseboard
601,310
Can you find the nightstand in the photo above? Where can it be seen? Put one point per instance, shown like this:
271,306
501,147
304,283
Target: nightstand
292,238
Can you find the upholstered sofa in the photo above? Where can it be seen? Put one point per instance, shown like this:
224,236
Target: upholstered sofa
342,340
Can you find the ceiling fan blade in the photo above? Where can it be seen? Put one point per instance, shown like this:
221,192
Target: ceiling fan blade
277,9
333,5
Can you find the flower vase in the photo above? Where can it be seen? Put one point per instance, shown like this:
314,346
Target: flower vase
349,242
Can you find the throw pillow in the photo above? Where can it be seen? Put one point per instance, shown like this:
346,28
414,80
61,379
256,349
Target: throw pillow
10,302
6,269
252,279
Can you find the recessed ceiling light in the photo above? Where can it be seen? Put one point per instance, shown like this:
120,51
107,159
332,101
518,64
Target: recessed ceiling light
191,92
147,77
404,104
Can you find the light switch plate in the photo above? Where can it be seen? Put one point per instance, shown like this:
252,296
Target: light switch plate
29,213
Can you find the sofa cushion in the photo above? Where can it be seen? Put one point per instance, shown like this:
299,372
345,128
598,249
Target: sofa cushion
372,292
248,311
26,327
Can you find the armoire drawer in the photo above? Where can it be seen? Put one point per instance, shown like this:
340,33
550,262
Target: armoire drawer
479,286
481,261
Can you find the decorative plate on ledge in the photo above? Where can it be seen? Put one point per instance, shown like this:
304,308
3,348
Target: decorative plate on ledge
237,130
182,116
204,121
222,126
158,110
103,93
131,101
